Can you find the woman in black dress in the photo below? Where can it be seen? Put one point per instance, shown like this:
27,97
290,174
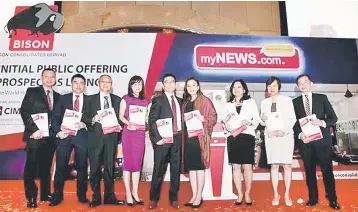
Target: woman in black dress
196,150
241,149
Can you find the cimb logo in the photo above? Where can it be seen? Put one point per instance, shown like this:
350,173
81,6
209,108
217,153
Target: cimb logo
9,110
33,28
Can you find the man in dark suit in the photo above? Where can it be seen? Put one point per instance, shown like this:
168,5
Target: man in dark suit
166,105
39,149
102,148
75,101
317,152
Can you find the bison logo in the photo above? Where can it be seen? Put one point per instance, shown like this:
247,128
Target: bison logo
38,18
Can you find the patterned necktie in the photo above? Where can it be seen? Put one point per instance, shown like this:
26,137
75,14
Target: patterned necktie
106,103
49,102
308,107
174,111
76,106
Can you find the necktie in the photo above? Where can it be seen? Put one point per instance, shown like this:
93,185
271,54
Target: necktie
76,106
308,107
106,103
49,102
174,111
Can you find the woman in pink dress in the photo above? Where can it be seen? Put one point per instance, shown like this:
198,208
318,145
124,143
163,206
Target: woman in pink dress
133,138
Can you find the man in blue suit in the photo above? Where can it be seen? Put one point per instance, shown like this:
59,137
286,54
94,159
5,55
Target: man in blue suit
75,101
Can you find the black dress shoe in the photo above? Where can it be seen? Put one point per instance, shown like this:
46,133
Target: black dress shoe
83,200
138,202
153,205
334,205
174,204
94,203
113,201
32,203
311,202
46,198
55,201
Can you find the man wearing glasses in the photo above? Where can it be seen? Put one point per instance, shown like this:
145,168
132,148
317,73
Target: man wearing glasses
101,148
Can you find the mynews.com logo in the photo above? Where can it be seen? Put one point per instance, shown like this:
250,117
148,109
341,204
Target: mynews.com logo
33,28
9,111
270,56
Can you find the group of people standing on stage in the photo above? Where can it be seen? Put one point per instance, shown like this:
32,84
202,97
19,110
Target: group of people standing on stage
280,144
185,154
89,142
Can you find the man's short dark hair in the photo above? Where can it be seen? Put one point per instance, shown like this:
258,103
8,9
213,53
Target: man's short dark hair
168,75
48,69
303,75
78,76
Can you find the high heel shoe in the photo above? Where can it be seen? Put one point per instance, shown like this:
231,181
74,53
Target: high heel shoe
239,203
140,202
130,204
248,203
276,201
288,201
198,206
188,204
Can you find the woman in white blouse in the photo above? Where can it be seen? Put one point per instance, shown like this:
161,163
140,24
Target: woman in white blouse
241,148
279,141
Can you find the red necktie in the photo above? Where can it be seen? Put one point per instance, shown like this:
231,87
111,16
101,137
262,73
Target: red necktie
49,100
308,106
174,111
76,107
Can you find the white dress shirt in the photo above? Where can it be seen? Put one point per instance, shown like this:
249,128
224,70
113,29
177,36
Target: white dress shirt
309,95
51,94
80,99
101,97
169,96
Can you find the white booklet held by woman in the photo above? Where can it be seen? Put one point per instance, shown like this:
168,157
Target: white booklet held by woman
313,132
137,116
193,124
165,129
41,121
274,122
70,118
233,123
109,121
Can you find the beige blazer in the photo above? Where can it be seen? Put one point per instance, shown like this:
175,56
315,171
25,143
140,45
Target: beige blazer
284,106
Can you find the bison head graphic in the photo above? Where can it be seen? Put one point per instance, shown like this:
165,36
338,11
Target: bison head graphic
38,18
